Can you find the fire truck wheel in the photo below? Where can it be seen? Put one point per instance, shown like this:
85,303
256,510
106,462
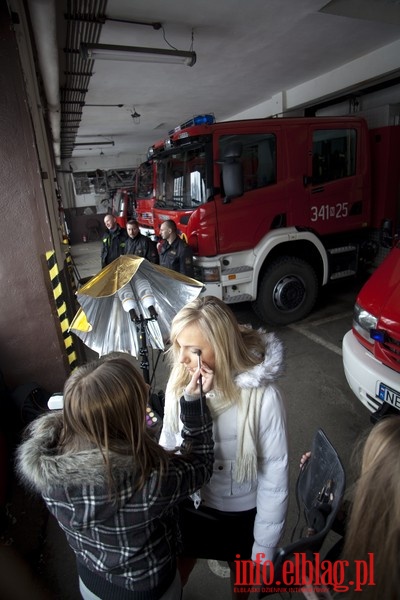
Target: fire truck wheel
287,291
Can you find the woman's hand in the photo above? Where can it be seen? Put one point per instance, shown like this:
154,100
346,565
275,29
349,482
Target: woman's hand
305,457
207,379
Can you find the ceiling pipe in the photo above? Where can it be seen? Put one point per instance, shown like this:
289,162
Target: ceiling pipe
43,18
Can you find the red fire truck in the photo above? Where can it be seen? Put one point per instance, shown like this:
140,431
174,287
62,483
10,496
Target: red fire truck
145,186
275,208
123,205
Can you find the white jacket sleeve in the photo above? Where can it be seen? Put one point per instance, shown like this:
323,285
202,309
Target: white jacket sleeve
170,436
273,476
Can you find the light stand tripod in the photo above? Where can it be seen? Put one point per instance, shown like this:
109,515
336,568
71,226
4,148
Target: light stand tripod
140,323
152,419
138,300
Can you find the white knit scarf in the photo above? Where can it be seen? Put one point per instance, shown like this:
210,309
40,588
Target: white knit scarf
248,421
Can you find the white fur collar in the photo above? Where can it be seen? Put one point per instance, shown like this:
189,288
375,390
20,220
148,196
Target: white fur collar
267,371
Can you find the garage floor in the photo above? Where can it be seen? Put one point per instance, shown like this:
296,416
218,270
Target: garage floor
35,560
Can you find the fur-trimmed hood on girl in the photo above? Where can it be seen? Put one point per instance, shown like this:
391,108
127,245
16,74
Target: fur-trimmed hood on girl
271,367
41,466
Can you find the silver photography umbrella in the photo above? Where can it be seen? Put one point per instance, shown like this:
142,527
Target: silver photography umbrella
127,293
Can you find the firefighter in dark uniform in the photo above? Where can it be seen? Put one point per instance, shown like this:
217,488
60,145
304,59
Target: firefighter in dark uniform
140,244
175,253
113,241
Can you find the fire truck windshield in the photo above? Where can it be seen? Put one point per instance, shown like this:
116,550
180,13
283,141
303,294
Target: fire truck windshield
145,180
182,179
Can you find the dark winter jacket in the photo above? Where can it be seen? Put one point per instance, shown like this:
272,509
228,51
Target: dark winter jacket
177,256
113,245
142,246
131,543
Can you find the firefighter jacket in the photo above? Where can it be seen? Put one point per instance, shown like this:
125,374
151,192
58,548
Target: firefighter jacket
113,245
177,256
142,246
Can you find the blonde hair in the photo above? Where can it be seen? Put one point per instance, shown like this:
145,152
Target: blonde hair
236,348
105,408
374,523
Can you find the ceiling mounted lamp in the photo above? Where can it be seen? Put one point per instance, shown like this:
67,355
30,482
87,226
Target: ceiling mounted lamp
137,54
135,116
94,144
106,105
82,104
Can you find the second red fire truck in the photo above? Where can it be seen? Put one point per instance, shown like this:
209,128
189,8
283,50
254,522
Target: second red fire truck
145,196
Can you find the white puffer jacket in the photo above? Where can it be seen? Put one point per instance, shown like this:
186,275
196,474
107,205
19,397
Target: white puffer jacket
268,491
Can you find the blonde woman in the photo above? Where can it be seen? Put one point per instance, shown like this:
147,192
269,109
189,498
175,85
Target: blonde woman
109,484
374,521
242,510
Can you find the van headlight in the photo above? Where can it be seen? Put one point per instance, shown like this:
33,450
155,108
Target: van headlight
363,322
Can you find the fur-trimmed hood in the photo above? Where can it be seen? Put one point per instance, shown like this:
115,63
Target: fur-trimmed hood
42,468
269,369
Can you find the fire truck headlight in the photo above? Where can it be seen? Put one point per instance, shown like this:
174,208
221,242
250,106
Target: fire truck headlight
363,322
210,274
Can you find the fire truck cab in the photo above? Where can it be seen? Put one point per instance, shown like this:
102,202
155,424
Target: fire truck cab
273,208
145,183
123,205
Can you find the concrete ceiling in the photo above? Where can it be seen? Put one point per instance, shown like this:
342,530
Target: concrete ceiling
254,58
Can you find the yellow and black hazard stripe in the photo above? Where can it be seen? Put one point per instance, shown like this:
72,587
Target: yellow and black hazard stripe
71,272
61,308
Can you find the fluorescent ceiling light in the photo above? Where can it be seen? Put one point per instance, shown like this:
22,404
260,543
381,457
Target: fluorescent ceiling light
94,144
137,54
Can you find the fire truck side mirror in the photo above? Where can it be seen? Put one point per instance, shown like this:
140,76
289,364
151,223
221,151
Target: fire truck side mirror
232,172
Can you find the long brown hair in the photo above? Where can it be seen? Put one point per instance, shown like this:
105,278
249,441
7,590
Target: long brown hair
374,523
105,408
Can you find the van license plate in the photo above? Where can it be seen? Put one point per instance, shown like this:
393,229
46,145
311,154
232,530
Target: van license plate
389,395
